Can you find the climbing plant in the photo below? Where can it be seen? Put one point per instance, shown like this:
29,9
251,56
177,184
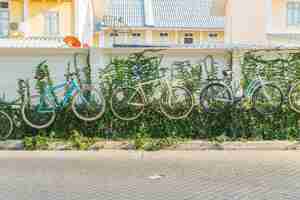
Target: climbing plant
234,123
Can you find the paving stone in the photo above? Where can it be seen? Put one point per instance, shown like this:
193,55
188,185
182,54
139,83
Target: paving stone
164,175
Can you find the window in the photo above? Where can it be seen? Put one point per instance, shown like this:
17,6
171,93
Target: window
136,35
188,38
3,4
136,38
213,36
114,35
4,19
164,37
52,23
293,13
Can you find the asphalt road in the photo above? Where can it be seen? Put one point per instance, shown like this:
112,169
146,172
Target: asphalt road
162,175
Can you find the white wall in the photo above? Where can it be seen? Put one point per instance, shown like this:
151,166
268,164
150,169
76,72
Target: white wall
102,57
16,64
21,64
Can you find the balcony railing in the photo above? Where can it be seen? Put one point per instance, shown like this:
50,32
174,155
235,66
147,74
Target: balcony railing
33,42
160,44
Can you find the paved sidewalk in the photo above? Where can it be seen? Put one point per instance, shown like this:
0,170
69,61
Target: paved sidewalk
165,175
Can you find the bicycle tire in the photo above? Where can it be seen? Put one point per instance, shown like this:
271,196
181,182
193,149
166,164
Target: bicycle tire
79,115
228,99
30,122
272,109
187,94
139,104
293,94
6,120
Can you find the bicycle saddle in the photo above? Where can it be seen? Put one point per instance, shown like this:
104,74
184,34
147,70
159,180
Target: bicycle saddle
227,72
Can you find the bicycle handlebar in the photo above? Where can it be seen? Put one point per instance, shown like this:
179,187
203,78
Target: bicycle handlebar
68,75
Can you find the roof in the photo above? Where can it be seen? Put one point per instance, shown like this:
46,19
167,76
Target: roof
161,13
131,12
33,42
185,13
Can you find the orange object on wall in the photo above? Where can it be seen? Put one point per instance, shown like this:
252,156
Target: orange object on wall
72,41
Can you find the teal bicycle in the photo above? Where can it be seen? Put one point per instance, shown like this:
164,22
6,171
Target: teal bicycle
88,104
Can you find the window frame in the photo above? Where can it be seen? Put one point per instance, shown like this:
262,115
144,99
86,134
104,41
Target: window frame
47,26
296,11
188,36
136,38
164,36
8,17
214,37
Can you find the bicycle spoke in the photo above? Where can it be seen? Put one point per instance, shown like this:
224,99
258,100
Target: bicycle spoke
215,98
88,104
267,99
127,103
176,103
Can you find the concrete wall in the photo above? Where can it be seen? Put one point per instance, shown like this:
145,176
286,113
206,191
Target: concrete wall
101,57
21,63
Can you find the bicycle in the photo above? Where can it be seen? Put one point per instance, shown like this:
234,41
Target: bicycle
128,103
288,69
10,112
87,103
285,71
265,97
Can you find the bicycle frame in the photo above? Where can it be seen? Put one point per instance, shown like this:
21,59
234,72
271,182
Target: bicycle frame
73,88
250,89
161,81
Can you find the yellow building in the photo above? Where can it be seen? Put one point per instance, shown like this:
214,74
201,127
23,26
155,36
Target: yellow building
265,22
36,18
158,23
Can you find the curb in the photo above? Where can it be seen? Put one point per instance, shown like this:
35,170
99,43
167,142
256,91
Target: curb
239,146
195,145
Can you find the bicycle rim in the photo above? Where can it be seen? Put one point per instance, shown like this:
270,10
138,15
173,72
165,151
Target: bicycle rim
294,98
177,105
6,125
127,103
88,104
35,118
215,98
267,99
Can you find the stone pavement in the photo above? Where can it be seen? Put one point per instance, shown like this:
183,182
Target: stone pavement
164,175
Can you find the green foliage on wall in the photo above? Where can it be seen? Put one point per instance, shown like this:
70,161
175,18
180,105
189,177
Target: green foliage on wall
235,123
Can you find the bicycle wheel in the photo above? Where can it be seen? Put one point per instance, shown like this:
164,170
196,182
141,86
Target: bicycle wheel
127,103
215,97
267,99
294,98
38,112
6,125
88,104
177,105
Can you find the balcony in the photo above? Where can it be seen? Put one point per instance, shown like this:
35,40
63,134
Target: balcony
33,42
